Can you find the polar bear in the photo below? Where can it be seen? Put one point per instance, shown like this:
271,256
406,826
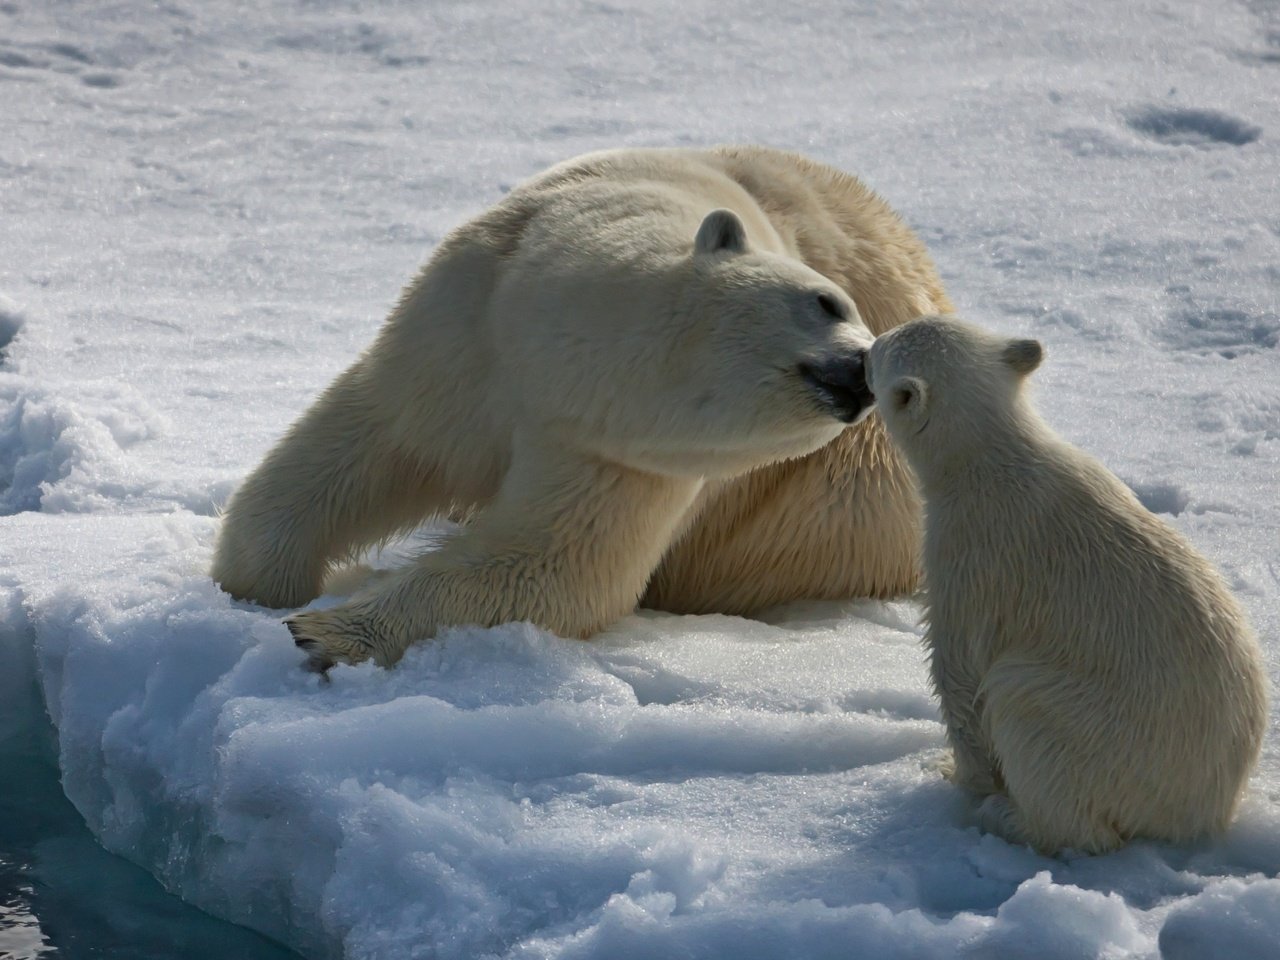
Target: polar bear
1098,682
637,378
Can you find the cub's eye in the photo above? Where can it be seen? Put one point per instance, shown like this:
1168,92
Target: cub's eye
832,307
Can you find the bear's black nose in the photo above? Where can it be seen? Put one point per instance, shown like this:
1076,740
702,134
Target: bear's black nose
840,384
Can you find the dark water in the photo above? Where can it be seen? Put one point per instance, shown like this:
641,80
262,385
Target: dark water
61,894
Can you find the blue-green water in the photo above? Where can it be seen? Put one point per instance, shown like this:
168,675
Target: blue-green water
64,896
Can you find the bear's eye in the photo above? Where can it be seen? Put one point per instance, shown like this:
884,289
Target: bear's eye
832,307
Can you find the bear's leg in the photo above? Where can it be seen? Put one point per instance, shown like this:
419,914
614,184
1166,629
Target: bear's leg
332,486
1047,728
568,544
973,765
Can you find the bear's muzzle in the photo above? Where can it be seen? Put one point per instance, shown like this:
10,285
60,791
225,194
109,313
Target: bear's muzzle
840,384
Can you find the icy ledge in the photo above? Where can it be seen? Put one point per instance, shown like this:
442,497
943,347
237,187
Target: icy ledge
704,787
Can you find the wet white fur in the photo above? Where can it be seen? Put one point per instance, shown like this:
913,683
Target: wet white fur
1097,679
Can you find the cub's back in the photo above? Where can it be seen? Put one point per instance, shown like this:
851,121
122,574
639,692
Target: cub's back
1058,558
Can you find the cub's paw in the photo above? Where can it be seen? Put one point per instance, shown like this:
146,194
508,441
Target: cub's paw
331,636
939,762
970,776
943,764
996,815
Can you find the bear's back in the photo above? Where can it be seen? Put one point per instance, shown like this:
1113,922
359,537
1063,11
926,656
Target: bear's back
824,217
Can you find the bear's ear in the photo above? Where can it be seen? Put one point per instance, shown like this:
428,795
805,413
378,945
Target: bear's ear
1022,355
908,395
721,230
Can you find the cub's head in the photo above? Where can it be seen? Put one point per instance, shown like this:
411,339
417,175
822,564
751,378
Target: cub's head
778,348
944,388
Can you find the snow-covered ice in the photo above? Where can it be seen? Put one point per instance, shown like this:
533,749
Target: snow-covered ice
208,208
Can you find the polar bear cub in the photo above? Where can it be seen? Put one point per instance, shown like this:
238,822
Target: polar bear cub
1097,680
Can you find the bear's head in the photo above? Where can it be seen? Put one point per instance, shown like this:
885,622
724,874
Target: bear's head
945,388
677,345
769,355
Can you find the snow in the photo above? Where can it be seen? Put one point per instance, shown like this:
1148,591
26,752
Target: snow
209,207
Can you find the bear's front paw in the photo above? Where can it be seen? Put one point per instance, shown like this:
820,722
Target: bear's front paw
329,637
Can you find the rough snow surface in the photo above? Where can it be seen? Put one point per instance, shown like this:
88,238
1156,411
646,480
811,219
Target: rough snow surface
208,208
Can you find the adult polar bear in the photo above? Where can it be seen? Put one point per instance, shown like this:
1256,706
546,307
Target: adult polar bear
639,376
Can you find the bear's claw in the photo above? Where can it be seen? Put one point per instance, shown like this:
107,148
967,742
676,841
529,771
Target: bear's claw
326,639
317,660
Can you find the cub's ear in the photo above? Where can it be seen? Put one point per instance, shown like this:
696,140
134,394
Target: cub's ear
721,231
907,395
1022,355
